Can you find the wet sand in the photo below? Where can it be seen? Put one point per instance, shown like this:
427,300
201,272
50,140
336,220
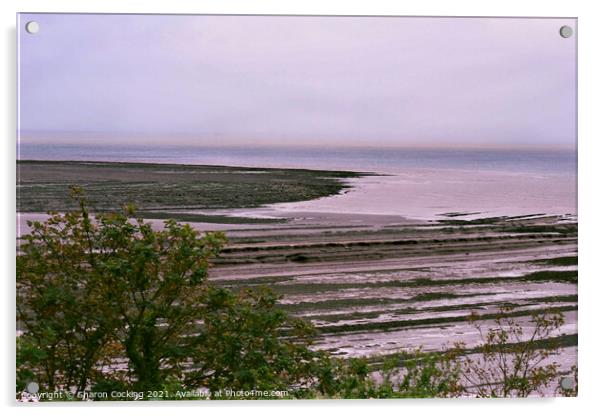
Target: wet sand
377,275
377,284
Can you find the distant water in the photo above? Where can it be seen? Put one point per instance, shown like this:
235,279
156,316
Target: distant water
355,159
422,183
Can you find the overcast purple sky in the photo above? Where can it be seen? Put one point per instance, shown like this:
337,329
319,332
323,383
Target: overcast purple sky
220,80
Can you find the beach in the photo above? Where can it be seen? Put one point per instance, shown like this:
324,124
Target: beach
374,274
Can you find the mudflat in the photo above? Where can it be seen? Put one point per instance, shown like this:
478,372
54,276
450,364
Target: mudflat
372,284
376,284
44,186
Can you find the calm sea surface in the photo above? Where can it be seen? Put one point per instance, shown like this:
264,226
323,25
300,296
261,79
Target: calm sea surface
419,184
356,159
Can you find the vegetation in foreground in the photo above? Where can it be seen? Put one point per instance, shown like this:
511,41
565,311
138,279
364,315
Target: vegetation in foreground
108,306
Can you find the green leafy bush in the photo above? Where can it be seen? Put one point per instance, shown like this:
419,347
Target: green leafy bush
107,303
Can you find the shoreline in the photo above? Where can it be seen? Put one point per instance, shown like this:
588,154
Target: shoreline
237,195
374,284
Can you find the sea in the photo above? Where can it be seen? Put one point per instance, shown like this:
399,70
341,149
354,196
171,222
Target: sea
414,183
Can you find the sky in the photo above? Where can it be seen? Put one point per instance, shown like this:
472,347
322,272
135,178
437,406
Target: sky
297,80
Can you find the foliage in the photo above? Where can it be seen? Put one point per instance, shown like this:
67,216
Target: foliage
414,374
62,317
247,343
107,303
511,361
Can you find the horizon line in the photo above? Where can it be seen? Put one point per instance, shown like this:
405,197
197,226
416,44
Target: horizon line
260,145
